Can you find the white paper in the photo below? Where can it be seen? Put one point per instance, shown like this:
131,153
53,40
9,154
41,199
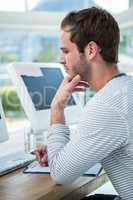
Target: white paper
36,168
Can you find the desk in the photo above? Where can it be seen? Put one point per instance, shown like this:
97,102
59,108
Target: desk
19,186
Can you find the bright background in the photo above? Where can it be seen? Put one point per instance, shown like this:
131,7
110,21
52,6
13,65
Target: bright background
29,32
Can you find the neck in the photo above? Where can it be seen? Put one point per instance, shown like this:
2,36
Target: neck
102,76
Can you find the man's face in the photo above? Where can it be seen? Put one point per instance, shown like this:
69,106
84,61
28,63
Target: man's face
74,62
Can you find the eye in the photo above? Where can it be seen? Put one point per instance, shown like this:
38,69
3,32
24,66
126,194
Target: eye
65,52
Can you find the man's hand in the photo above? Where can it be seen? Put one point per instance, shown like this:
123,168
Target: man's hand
67,87
42,155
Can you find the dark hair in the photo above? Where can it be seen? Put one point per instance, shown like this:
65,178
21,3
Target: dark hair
94,24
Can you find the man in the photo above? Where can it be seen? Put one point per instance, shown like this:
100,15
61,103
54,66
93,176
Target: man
89,45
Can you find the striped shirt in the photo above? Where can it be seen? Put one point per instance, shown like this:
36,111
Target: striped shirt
104,135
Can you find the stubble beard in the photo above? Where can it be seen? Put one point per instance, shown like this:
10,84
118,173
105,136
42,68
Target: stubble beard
83,68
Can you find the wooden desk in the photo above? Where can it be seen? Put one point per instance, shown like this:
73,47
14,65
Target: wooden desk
19,186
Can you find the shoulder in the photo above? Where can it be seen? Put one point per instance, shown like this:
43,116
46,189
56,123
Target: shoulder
114,92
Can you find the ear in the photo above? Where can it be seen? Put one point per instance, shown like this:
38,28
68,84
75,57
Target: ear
91,50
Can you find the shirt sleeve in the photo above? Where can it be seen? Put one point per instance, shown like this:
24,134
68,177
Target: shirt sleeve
101,131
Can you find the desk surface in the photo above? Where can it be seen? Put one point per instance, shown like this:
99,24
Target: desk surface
21,186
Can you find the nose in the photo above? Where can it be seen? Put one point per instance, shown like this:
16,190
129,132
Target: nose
62,59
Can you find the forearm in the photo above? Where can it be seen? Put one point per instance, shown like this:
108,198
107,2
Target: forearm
58,137
57,115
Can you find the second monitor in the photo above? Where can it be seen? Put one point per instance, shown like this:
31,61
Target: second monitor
3,128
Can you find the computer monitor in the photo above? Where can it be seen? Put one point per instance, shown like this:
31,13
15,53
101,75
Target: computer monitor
3,129
36,85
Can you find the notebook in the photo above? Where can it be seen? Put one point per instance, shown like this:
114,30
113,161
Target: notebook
35,168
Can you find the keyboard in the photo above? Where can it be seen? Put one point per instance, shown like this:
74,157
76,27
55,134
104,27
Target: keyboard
15,161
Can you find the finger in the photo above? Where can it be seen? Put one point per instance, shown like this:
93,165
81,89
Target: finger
75,81
44,160
42,164
67,79
38,155
40,151
41,148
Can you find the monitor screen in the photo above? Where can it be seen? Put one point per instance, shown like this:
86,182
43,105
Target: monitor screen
36,85
42,89
3,128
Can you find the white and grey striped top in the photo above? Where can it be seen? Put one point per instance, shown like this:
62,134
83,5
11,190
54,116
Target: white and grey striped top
104,134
